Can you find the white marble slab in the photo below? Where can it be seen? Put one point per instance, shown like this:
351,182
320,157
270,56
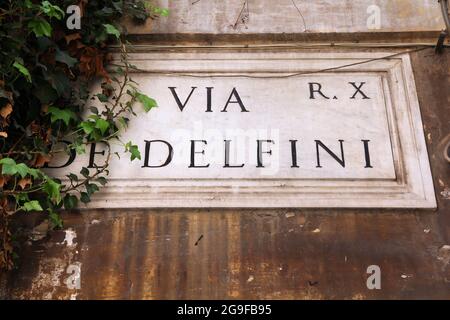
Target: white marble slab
383,161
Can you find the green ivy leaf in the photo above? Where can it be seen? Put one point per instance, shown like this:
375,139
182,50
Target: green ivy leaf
163,12
112,30
87,126
59,82
85,198
32,206
45,93
35,173
9,166
91,188
147,102
40,27
70,201
102,125
102,181
21,197
134,150
61,114
23,70
28,4
72,177
22,169
135,153
94,110
123,122
7,161
52,11
55,219
53,189
79,148
63,57
102,98
85,172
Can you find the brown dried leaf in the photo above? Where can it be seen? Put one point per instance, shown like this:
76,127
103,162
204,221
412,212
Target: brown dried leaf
72,37
35,128
48,135
82,4
42,160
4,203
2,181
48,58
25,182
6,110
92,62
44,108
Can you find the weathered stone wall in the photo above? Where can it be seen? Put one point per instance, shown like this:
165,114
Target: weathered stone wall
283,253
293,16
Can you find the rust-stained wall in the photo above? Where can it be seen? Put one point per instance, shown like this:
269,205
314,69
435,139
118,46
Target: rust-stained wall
246,254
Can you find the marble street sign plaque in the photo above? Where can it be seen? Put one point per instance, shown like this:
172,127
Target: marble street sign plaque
271,130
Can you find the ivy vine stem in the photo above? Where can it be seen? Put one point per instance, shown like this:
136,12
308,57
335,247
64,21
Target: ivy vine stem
48,97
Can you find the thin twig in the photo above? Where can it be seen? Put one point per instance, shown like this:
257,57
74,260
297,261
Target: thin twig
240,14
291,75
300,13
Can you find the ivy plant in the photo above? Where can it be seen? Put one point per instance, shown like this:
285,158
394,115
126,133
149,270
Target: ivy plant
46,76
